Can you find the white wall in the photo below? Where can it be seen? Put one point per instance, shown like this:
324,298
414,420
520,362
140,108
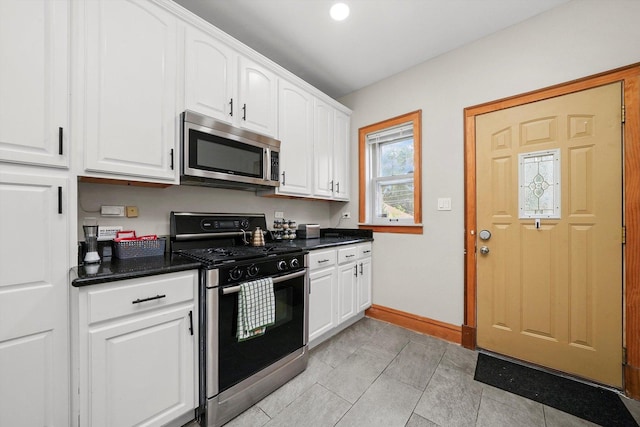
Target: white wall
155,204
423,274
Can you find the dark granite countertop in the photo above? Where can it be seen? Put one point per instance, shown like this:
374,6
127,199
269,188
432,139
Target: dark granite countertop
330,237
112,269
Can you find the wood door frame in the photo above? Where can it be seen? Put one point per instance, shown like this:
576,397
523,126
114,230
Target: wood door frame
630,78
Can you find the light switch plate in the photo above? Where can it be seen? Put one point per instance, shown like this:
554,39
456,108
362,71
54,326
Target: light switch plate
444,204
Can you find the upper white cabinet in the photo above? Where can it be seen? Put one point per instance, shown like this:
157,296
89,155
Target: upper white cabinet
228,86
34,88
128,52
295,124
331,152
34,337
341,129
257,96
209,75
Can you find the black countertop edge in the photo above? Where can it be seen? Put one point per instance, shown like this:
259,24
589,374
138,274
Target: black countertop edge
114,269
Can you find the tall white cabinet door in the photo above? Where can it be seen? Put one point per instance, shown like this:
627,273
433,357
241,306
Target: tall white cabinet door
34,112
257,94
296,134
323,149
34,340
364,284
347,282
130,117
209,76
342,126
142,370
322,301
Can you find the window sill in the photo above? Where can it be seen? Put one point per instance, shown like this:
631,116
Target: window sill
401,229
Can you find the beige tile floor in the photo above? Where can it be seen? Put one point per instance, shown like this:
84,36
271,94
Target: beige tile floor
377,374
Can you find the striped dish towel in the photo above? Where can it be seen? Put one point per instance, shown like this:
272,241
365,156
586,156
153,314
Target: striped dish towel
256,308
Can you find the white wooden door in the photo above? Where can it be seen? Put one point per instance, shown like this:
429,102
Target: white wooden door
130,117
342,127
296,135
257,95
142,370
34,339
322,301
34,112
323,149
348,285
209,76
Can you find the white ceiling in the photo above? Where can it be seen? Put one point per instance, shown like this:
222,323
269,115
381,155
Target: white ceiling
379,38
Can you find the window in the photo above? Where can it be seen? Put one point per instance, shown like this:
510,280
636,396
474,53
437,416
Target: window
390,196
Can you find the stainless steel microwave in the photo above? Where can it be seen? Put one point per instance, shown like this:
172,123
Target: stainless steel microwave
217,154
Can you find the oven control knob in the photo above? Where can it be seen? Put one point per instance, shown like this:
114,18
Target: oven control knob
282,265
252,270
294,263
235,273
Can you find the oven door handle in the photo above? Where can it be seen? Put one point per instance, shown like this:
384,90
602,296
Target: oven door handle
278,279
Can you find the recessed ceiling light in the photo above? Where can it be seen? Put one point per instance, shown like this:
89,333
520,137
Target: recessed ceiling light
339,11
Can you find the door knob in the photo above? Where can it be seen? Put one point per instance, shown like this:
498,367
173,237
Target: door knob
484,250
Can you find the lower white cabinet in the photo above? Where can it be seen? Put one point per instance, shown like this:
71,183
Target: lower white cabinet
323,292
34,302
137,351
364,276
340,288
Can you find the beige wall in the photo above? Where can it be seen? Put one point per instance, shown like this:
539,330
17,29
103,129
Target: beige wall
155,204
423,274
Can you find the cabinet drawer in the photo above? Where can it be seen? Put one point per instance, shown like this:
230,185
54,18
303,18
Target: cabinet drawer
320,259
349,254
117,299
364,250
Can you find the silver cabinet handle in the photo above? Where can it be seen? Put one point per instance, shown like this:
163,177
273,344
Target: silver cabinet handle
323,260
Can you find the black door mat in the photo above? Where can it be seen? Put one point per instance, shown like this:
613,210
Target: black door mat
594,404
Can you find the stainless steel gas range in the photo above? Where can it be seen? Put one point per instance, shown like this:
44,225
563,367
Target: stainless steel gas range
236,373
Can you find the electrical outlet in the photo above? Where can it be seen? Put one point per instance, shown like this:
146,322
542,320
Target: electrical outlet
346,215
279,214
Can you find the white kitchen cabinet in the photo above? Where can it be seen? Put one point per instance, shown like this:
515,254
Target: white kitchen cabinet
138,351
341,130
34,338
364,276
228,86
127,53
323,286
295,127
323,292
340,289
210,67
34,88
257,96
331,152
348,283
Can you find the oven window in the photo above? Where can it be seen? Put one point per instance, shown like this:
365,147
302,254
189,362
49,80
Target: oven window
214,153
240,360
